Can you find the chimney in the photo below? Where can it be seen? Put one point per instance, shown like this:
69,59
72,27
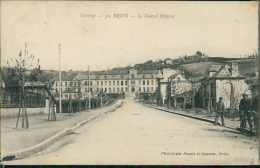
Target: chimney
234,69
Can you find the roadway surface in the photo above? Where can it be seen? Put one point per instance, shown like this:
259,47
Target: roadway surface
135,134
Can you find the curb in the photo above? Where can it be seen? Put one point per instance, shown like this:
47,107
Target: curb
47,142
198,118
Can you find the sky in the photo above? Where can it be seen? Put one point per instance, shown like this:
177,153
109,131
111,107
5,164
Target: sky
219,29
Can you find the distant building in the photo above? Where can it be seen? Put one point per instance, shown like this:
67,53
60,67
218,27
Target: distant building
168,61
115,81
218,83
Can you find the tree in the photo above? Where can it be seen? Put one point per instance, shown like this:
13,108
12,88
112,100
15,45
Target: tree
21,71
199,55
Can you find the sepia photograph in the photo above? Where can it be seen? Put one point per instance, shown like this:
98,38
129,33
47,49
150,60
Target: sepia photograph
129,83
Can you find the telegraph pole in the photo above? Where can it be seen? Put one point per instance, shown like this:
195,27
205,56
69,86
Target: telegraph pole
59,79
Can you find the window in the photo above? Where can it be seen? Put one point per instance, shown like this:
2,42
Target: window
152,89
56,84
105,83
178,79
66,83
109,83
122,83
109,90
133,76
147,89
126,89
143,89
114,90
117,83
125,82
105,77
97,77
114,83
90,89
66,95
90,83
117,90
139,82
97,83
105,89
143,76
151,82
61,84
139,89
75,83
147,82
132,82
101,83
152,76
122,90
86,89
143,82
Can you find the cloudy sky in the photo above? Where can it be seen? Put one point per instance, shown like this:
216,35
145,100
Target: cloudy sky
226,29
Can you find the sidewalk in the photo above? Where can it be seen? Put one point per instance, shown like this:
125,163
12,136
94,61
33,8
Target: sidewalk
233,124
13,139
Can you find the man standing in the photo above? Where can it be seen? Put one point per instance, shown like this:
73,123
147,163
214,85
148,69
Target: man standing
220,111
245,107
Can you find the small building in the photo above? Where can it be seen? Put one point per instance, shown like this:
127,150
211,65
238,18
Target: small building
180,90
168,61
222,81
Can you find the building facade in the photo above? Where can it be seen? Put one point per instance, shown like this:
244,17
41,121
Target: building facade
128,82
223,81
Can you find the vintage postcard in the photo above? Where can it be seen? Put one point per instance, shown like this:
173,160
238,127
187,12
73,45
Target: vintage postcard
129,83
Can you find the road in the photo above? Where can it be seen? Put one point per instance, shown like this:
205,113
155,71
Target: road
135,134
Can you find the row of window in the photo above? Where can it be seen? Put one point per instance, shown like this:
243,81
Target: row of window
104,83
118,90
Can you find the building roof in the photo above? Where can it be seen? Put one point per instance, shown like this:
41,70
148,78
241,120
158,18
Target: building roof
38,83
225,74
168,59
147,71
214,68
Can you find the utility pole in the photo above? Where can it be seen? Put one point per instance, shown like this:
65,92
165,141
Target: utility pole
59,79
89,88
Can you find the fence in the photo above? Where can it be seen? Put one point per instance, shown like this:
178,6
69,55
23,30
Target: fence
12,97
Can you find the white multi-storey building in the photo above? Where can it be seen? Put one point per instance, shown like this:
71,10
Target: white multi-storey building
116,81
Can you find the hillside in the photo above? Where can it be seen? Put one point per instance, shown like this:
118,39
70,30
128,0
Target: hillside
195,68
192,70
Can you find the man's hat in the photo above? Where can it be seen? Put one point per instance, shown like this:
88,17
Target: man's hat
245,94
220,97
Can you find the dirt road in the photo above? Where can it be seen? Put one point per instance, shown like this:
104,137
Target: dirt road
134,134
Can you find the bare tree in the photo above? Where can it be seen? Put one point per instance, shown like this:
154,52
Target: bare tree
23,71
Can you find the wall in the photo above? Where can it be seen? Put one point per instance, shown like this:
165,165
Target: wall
223,89
13,112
